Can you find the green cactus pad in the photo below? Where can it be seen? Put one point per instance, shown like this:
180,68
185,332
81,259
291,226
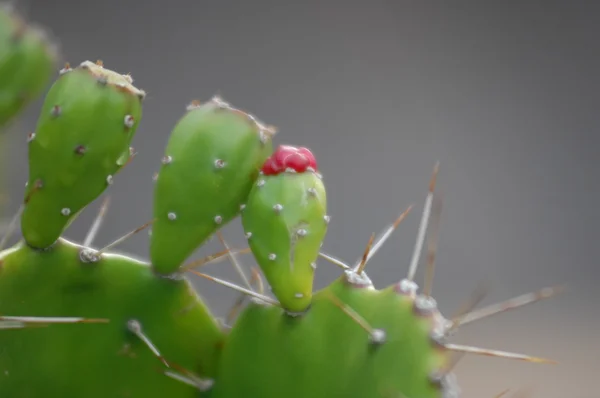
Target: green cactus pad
27,62
326,353
213,157
105,359
285,223
87,122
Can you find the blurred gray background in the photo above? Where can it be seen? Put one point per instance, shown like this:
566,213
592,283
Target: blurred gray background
504,94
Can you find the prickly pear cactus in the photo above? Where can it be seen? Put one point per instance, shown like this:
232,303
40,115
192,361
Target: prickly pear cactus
27,61
87,122
120,299
213,157
79,321
285,222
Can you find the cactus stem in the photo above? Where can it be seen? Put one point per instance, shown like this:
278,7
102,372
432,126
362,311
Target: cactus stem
240,289
432,246
124,237
234,261
11,228
516,302
377,336
334,260
497,354
91,235
135,327
412,270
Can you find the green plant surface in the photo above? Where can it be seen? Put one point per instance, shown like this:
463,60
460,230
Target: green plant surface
87,121
213,157
103,359
27,61
285,221
327,353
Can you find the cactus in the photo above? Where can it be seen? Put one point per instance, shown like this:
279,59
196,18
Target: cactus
76,320
87,122
27,61
285,222
213,156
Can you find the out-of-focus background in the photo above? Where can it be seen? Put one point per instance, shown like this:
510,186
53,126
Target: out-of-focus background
504,94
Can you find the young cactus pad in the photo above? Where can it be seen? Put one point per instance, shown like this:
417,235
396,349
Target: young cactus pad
104,359
88,120
27,61
213,157
285,222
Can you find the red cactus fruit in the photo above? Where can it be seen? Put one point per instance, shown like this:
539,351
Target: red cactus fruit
290,158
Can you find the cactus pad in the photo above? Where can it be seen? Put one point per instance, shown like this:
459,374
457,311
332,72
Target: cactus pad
27,61
87,122
213,157
386,350
285,222
104,359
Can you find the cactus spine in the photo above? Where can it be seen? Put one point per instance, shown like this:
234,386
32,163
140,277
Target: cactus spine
113,326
